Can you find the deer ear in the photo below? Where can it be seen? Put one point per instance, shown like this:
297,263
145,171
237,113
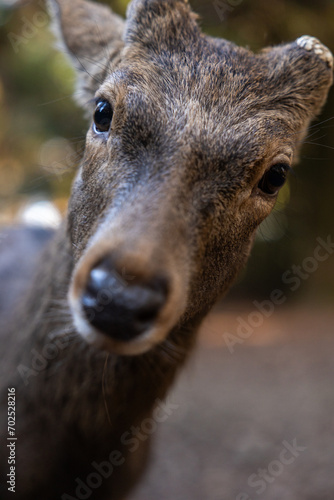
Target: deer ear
162,23
298,80
300,74
92,36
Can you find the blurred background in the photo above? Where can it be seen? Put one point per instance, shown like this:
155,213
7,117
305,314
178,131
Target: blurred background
262,376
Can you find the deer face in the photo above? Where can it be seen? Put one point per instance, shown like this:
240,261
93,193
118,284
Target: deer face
190,141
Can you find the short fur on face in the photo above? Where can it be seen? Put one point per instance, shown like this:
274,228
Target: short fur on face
197,123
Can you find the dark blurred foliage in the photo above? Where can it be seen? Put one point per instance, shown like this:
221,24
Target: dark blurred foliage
42,130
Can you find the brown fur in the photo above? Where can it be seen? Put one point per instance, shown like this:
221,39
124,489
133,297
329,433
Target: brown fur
174,189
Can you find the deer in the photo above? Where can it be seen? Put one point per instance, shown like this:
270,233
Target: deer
190,140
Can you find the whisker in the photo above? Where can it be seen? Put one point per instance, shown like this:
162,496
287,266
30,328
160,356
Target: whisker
104,389
321,145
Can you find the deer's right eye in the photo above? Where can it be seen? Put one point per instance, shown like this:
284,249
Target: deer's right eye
103,116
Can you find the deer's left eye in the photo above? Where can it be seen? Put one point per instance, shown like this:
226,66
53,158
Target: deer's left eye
274,179
103,116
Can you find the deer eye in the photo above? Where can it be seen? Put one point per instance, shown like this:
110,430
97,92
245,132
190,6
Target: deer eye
274,178
103,116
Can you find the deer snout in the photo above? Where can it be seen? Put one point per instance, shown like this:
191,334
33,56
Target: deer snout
120,307
124,301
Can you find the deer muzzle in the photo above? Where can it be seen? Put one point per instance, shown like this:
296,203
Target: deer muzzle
128,290
122,307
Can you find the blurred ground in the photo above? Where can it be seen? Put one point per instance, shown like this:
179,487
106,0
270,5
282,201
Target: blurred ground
238,412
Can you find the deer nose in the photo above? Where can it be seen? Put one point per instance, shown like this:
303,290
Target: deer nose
122,307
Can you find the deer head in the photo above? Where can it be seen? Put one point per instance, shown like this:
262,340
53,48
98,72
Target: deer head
191,139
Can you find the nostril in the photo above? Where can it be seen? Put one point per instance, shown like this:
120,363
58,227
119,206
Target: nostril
150,299
147,313
120,309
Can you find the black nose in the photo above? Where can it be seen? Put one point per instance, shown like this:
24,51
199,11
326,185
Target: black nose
122,307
